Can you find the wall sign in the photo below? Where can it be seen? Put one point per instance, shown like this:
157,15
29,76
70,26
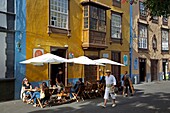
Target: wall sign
38,52
71,55
136,64
105,55
125,60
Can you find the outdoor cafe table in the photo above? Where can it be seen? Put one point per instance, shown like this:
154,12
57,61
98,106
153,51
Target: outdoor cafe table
53,90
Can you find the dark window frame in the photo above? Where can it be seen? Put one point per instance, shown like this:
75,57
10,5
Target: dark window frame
143,49
86,26
143,17
97,18
116,40
165,51
54,29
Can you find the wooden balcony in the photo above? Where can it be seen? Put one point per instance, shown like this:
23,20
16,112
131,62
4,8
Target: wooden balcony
94,39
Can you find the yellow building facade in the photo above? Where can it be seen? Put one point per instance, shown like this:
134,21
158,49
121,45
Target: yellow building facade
70,28
118,49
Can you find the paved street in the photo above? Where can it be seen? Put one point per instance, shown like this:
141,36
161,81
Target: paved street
149,98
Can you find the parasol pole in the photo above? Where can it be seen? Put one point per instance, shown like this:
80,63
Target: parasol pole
49,76
104,69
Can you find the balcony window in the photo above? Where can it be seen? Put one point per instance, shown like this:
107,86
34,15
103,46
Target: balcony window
93,18
94,32
86,24
143,37
165,40
97,18
59,13
142,10
102,20
116,26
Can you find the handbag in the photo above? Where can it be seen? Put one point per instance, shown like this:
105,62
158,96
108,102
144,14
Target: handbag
116,90
42,95
112,91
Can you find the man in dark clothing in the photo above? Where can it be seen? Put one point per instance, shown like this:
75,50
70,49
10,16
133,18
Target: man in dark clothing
126,79
102,80
76,87
59,81
59,78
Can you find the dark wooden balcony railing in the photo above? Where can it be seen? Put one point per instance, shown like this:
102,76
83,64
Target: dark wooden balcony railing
94,39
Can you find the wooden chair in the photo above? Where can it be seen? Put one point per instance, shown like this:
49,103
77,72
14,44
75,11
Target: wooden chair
66,92
39,102
101,89
97,90
80,94
45,99
88,91
94,90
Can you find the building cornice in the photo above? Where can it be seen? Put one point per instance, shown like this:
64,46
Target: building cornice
143,22
95,3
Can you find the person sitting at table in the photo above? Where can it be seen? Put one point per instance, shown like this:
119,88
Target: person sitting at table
45,90
42,94
76,87
26,90
35,95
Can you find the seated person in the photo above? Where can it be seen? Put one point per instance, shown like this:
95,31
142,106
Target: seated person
42,94
47,95
88,83
26,89
76,87
35,95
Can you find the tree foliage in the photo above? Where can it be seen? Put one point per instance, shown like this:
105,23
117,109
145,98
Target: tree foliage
158,7
155,7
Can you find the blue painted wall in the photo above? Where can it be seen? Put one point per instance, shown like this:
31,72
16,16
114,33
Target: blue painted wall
131,42
20,39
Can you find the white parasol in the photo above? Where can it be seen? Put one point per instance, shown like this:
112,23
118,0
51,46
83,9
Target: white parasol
84,60
47,58
107,61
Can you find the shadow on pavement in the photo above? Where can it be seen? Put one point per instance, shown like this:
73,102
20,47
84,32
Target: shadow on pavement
139,103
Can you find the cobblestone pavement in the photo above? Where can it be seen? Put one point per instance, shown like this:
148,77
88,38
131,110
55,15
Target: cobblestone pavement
151,97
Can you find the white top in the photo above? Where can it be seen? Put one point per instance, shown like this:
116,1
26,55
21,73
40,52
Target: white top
110,80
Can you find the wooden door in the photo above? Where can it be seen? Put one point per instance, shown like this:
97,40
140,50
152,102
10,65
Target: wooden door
56,67
116,56
142,69
154,70
90,71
